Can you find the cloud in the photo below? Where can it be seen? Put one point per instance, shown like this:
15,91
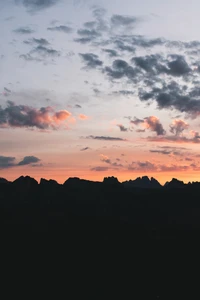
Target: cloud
111,52
105,138
24,30
27,160
61,28
105,159
120,68
176,139
136,121
78,106
26,116
178,126
122,128
85,149
152,167
91,60
88,33
83,117
154,124
6,162
41,42
126,22
44,51
100,169
36,5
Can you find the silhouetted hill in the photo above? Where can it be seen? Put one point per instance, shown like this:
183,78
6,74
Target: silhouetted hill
47,183
143,182
175,183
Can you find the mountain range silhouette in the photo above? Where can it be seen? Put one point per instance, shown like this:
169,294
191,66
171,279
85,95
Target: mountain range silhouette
143,182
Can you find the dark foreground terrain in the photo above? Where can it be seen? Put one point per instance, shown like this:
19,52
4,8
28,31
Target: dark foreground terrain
132,240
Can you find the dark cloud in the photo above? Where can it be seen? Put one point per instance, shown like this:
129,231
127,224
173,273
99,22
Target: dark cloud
61,28
78,106
44,51
24,30
174,96
26,116
151,167
6,162
100,169
165,152
111,52
35,5
88,33
91,60
85,149
136,121
154,124
108,161
41,42
122,128
105,138
125,92
120,68
178,66
27,160
150,63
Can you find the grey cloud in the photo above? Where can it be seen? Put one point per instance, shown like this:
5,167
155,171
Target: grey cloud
6,162
24,30
61,28
26,116
122,128
111,52
154,124
85,149
27,160
35,5
84,40
124,47
124,21
88,33
105,138
78,106
100,169
120,69
42,50
29,57
136,121
178,66
165,152
173,96
7,90
41,41
124,92
91,60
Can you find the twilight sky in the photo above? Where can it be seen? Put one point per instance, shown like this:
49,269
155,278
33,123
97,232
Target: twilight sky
94,88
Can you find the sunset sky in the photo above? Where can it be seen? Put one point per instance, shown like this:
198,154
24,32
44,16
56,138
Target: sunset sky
96,88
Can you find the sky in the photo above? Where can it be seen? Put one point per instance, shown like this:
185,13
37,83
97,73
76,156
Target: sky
97,88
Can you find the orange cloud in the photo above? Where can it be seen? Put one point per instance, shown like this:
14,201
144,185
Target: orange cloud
178,126
29,117
83,117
